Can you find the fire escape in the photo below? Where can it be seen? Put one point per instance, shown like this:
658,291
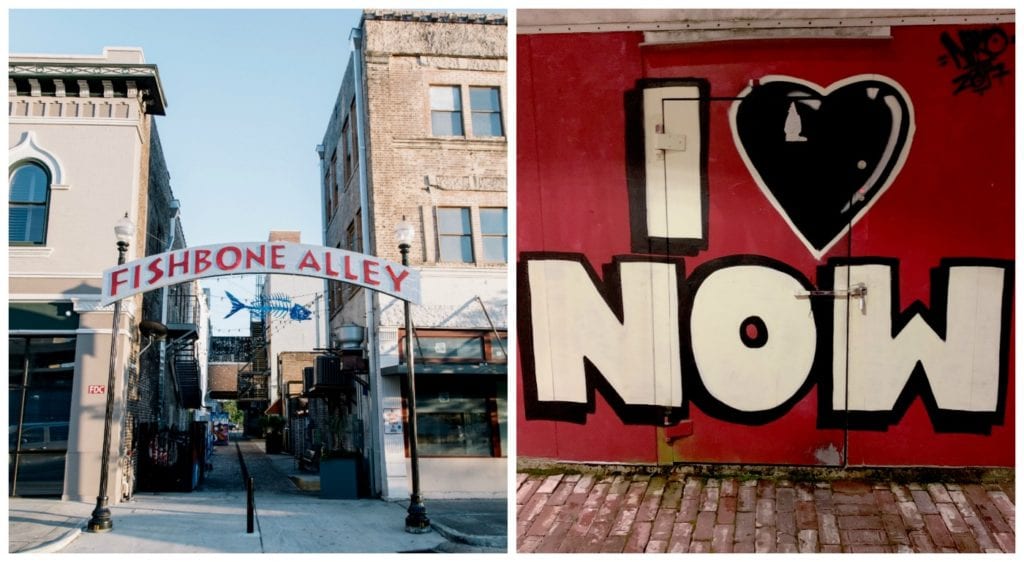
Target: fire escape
182,331
254,376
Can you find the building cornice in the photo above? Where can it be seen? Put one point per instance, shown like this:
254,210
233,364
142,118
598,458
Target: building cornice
146,78
415,16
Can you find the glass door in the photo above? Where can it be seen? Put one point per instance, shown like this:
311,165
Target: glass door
41,379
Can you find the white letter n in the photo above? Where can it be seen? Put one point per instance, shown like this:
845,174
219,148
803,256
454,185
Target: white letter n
638,356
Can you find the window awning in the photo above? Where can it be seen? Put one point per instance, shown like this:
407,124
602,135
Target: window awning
478,369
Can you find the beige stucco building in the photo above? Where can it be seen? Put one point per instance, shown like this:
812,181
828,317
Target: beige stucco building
418,132
83,153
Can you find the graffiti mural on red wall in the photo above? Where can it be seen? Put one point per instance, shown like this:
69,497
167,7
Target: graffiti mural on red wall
796,266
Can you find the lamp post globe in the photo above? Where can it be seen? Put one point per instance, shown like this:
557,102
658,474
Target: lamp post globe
100,522
405,232
416,520
124,230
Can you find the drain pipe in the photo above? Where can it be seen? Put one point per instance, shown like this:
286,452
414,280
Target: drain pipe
377,460
175,210
326,320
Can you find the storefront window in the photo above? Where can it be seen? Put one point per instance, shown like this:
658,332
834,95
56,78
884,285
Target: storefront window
40,382
459,417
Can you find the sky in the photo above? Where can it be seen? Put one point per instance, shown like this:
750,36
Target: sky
249,94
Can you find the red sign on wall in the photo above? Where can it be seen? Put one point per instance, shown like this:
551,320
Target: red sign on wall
97,389
799,251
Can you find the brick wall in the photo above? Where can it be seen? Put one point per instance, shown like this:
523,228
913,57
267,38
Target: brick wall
224,377
413,171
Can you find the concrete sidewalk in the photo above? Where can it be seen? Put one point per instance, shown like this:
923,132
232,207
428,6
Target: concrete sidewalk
672,512
213,519
44,525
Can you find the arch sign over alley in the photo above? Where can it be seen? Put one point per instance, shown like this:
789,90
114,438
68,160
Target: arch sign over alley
241,258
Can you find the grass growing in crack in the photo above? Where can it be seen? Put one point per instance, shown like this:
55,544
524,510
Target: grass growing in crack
899,475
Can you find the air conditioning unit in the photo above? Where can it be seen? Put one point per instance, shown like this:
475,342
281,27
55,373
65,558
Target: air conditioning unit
328,371
330,375
307,379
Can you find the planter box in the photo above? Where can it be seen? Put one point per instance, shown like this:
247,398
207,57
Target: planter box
339,479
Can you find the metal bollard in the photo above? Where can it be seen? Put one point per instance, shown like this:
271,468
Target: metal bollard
250,505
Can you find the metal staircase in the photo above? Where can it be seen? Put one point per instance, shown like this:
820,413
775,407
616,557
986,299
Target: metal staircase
254,376
185,370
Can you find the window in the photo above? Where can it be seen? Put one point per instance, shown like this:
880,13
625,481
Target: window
351,144
353,236
41,376
494,231
337,292
485,105
456,417
332,184
346,151
454,235
354,233
446,111
456,346
29,204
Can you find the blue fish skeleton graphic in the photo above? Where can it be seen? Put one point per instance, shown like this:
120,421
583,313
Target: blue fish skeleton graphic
278,306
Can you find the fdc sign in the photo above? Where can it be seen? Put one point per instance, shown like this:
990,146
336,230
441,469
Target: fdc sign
240,258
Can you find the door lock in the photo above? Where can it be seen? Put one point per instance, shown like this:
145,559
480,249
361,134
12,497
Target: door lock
858,291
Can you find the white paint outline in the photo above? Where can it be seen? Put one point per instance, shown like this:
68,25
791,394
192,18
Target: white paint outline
897,165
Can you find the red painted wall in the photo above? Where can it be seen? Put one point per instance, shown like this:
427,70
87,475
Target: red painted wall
953,198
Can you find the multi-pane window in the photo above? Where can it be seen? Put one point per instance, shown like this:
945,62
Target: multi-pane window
454,235
351,144
446,111
337,292
348,139
354,233
353,236
485,105
332,179
494,233
41,372
28,204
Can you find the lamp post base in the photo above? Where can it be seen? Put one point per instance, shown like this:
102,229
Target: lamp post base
417,521
100,521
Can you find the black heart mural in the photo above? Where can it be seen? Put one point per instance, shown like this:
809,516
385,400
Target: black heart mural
823,156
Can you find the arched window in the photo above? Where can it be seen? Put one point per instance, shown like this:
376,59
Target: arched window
29,204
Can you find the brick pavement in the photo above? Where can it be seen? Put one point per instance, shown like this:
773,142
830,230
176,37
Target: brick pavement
623,512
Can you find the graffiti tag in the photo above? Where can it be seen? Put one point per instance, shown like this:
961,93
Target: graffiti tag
976,54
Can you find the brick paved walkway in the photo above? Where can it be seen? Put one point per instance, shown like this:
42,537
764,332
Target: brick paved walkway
678,513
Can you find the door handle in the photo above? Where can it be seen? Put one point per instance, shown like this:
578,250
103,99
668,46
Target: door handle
858,291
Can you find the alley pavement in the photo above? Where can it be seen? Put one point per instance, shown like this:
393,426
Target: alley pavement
629,512
213,518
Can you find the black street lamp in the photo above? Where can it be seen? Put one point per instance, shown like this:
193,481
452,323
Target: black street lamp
416,521
100,522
